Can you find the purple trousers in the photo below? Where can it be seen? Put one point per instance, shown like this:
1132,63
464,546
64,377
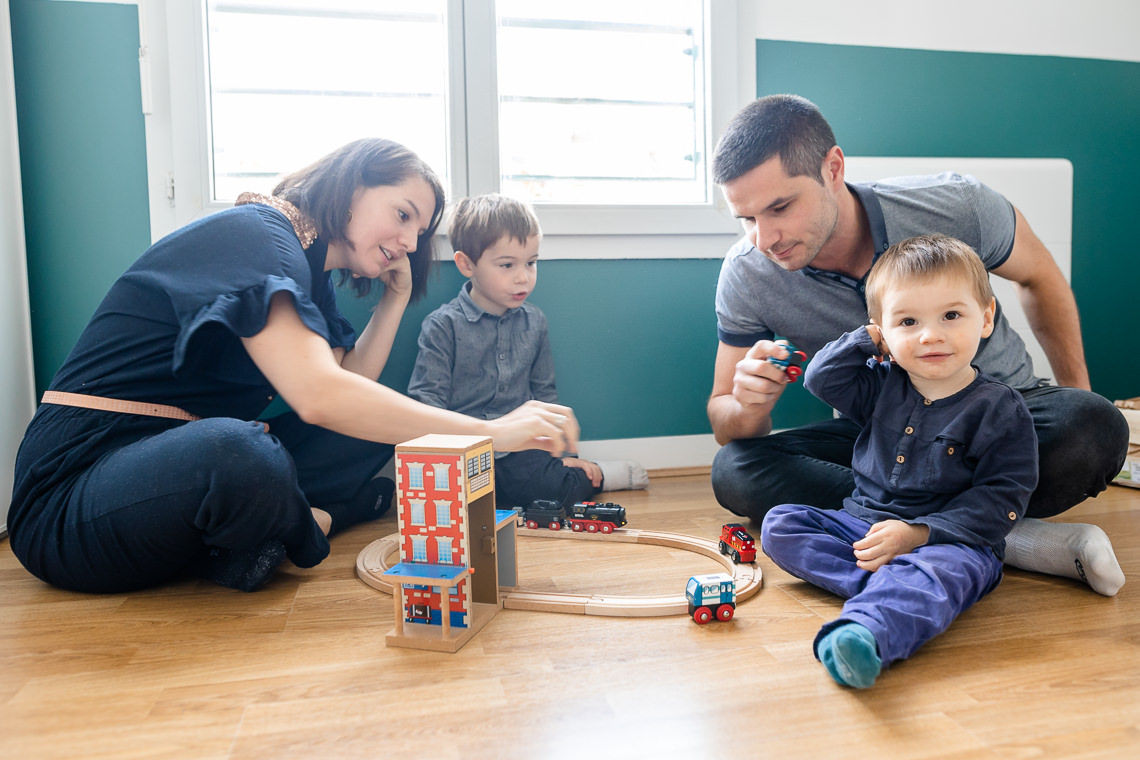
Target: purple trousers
905,603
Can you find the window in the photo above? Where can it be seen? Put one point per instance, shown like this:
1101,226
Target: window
440,477
419,549
601,113
368,67
417,515
415,476
443,550
443,513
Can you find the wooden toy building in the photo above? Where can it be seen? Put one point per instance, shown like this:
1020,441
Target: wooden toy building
456,549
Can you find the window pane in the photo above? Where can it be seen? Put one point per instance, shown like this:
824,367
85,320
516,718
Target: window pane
602,102
290,80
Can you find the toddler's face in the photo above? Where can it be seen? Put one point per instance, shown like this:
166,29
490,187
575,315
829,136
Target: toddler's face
932,330
505,274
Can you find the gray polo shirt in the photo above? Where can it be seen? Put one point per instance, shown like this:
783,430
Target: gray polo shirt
757,300
480,364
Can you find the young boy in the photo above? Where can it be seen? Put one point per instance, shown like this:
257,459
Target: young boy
487,351
944,465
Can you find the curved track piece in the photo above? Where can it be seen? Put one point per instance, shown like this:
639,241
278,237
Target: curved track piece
373,561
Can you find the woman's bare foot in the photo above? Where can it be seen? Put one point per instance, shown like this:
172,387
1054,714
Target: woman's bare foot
324,520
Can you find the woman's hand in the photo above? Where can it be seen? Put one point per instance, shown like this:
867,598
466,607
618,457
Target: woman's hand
397,278
536,425
886,540
374,344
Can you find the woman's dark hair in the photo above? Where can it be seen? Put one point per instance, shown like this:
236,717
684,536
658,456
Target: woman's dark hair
324,190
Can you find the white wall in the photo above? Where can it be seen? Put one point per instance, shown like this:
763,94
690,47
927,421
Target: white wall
16,386
1106,29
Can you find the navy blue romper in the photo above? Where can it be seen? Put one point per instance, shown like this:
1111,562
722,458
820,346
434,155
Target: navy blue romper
107,502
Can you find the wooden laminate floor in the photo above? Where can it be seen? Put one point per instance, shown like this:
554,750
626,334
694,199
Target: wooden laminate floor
1042,668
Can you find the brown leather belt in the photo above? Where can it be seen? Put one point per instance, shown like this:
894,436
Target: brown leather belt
117,405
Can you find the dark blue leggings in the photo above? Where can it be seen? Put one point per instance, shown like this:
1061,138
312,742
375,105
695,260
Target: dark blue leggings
524,476
147,511
1082,440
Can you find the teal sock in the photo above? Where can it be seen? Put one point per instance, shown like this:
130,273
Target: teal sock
850,655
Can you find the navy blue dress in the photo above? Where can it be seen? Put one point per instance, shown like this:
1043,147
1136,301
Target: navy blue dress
105,501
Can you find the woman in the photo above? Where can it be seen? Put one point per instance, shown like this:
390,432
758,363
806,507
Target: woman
144,461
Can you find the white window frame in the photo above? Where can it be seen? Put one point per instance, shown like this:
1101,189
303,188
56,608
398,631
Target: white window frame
172,61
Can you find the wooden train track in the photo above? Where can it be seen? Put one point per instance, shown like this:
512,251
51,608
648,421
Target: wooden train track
373,560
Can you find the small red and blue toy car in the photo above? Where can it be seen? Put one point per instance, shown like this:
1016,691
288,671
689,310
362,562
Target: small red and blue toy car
737,543
711,595
792,365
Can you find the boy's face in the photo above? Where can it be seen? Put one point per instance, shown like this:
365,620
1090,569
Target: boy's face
505,274
932,330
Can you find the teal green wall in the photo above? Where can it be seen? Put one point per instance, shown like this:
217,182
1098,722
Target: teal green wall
633,341
82,160
892,102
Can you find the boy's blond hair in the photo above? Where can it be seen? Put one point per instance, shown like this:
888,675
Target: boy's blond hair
477,223
925,258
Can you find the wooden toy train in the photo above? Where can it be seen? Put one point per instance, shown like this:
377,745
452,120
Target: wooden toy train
588,516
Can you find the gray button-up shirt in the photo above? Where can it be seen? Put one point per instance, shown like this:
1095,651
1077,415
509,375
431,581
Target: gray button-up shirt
476,363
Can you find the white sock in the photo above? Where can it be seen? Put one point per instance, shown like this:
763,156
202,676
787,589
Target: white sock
623,476
1079,551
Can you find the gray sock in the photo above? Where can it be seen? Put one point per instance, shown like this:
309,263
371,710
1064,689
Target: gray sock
1070,550
623,475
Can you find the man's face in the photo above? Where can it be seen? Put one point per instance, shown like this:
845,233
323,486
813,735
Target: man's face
788,219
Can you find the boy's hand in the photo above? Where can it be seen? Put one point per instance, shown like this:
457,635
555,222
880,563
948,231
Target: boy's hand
592,470
881,347
886,540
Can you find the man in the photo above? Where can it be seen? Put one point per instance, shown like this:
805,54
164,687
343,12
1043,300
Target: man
810,239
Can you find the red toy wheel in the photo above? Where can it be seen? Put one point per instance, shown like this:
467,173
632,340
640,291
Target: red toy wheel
725,613
592,528
577,527
607,528
555,525
532,524
702,615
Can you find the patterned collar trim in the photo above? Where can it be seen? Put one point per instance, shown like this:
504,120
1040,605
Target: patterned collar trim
302,225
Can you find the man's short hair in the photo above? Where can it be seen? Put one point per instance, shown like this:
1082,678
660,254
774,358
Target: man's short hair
924,258
789,126
478,222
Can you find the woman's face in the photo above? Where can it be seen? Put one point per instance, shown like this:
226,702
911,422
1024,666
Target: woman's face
384,225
